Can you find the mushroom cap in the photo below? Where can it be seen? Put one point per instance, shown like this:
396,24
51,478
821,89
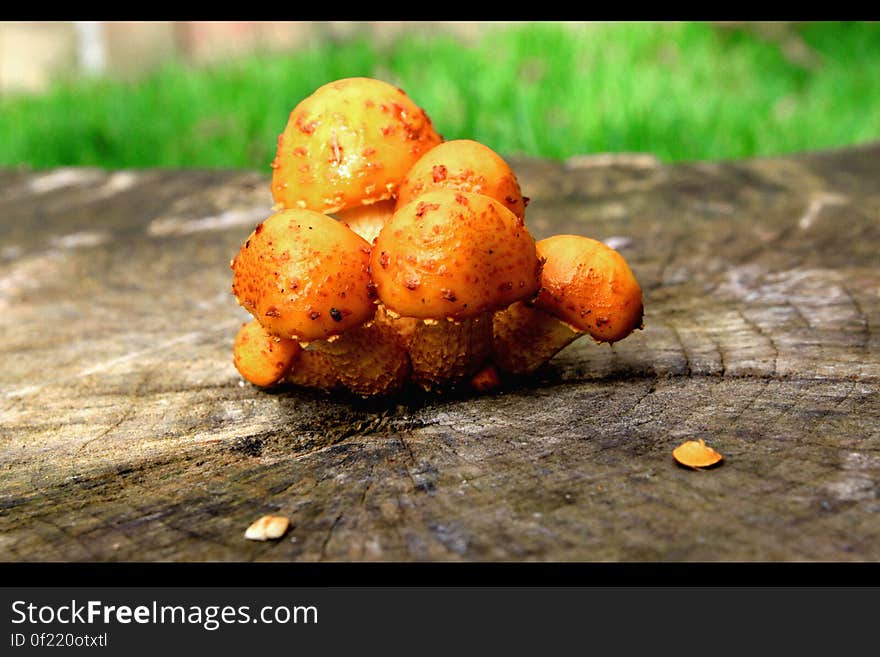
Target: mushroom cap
589,285
349,143
468,166
696,454
304,275
260,357
453,254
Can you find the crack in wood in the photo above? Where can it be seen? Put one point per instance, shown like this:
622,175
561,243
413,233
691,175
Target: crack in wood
764,334
684,351
329,535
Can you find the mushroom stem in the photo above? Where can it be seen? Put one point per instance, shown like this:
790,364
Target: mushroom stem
368,360
441,351
445,351
402,327
525,337
314,369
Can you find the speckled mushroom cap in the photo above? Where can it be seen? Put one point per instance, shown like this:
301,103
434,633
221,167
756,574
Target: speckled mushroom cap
304,275
453,254
349,143
468,166
260,357
590,286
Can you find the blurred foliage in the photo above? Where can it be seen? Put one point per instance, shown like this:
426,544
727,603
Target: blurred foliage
683,91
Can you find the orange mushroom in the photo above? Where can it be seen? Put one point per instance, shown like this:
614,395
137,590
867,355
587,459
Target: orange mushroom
586,288
696,454
345,149
468,166
450,259
304,276
261,358
393,254
590,285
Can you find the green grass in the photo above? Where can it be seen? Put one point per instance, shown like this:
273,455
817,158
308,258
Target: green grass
684,91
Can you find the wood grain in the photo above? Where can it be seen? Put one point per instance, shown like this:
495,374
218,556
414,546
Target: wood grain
126,433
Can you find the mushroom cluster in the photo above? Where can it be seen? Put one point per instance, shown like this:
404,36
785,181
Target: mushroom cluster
394,256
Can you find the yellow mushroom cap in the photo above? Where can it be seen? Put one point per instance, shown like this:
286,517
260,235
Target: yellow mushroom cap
453,254
304,275
468,166
590,286
696,454
349,143
261,358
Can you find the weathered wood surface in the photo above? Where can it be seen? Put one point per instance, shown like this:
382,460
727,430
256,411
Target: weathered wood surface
128,435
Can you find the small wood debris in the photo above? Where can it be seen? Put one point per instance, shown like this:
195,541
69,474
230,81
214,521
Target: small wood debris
696,454
267,528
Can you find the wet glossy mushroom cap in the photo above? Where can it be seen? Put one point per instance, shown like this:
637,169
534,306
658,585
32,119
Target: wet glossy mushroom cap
304,275
590,286
349,143
468,166
453,254
260,357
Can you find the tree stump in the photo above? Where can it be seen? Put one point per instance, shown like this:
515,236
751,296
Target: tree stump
128,435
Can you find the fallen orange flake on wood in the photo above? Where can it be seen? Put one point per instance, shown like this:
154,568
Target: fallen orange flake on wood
696,454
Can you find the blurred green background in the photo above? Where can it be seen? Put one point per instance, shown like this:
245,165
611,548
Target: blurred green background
682,91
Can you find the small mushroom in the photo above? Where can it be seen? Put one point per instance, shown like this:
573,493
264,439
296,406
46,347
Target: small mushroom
261,358
345,149
450,259
304,276
696,454
586,288
468,166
